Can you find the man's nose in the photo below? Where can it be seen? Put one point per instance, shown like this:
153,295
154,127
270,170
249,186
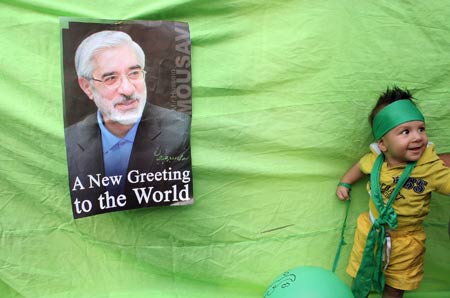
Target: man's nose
126,87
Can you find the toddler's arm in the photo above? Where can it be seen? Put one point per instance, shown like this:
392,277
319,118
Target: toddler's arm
352,175
445,158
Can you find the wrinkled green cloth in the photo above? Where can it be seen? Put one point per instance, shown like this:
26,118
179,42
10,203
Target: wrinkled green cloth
370,272
281,93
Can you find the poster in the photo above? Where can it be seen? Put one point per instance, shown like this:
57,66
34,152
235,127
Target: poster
127,114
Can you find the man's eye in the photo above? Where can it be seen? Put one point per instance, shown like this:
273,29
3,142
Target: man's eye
134,74
110,79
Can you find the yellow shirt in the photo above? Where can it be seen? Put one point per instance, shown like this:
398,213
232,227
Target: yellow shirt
412,204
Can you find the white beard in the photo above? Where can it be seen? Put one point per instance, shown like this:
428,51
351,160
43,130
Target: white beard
108,110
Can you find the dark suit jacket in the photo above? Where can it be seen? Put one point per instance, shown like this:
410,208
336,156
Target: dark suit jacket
162,142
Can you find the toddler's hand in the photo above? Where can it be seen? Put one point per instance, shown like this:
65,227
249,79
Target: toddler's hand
343,193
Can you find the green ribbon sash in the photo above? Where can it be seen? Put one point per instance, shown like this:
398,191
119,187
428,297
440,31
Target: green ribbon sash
370,272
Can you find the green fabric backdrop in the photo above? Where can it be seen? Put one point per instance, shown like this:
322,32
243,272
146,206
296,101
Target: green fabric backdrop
281,91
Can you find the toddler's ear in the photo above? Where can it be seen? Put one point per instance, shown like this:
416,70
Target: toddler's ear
381,145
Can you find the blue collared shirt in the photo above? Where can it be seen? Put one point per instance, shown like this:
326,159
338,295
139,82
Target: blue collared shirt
116,154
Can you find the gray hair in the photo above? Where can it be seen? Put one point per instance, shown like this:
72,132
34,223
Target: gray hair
97,42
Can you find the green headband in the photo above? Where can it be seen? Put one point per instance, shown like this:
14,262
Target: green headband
393,115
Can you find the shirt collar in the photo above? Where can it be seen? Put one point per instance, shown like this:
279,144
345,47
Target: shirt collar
109,140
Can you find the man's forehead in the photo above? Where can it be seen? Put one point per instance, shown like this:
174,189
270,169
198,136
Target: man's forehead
115,59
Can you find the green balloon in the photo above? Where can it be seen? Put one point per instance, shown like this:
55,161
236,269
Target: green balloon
308,282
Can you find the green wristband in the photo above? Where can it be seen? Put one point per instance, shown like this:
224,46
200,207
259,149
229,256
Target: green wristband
349,186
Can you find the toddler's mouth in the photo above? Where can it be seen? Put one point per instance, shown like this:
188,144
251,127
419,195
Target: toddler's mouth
415,148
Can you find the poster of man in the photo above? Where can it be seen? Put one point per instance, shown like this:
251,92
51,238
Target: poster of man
127,114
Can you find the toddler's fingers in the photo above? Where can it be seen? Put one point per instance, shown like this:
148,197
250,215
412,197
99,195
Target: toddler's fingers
342,195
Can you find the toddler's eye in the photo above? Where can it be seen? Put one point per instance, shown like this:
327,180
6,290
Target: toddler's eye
405,132
422,129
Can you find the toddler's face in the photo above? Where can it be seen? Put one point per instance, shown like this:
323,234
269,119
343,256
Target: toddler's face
404,143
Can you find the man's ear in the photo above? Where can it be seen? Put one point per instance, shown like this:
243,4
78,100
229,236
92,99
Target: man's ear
381,145
86,87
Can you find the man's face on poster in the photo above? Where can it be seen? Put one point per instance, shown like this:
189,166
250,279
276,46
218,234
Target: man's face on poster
117,86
